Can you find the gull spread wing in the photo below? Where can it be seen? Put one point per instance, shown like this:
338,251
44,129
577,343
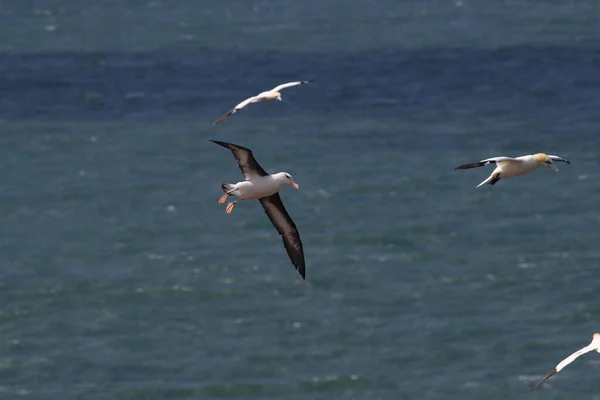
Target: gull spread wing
249,166
243,104
557,158
481,163
592,346
289,84
287,229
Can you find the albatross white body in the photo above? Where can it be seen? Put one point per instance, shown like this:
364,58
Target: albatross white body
260,186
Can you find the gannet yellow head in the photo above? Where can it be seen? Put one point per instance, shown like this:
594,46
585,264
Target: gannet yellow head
544,159
276,95
596,341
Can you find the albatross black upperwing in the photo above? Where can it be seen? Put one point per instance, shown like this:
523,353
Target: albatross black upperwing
249,166
287,229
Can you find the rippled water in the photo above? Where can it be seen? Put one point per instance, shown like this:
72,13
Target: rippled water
121,277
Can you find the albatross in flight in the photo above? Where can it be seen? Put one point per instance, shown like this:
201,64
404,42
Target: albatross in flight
264,187
594,345
507,167
269,95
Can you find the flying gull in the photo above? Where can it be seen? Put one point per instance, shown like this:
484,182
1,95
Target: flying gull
264,187
269,95
507,167
594,345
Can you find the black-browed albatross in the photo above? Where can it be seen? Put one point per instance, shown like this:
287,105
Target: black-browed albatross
269,95
264,187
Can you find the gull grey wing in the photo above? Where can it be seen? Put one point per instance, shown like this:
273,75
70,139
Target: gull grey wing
287,229
249,166
484,162
290,84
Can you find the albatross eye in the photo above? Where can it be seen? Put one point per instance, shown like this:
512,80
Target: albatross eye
288,176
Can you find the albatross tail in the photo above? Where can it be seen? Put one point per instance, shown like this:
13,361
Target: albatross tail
227,187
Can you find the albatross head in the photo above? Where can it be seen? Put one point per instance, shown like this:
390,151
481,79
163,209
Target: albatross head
287,179
277,96
543,159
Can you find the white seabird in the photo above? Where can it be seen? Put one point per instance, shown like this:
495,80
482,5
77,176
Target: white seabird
264,187
594,345
269,95
507,167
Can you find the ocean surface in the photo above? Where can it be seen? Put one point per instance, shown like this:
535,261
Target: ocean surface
122,278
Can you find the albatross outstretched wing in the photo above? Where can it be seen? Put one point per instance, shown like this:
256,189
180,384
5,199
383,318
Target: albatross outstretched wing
287,229
249,166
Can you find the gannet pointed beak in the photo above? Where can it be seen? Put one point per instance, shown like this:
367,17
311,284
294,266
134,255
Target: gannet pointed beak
551,165
294,184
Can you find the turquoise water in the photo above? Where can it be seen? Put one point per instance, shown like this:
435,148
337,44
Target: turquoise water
122,278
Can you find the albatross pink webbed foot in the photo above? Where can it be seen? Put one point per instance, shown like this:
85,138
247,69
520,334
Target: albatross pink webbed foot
229,208
223,198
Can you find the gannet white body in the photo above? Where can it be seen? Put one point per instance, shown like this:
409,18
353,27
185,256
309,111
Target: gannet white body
507,167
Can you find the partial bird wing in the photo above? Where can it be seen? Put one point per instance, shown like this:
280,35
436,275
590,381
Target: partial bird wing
289,84
243,104
565,362
557,158
554,371
481,163
287,229
249,166
573,356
